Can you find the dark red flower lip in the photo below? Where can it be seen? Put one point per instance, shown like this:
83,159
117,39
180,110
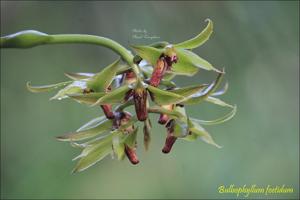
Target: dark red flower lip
140,103
158,71
170,139
131,155
163,64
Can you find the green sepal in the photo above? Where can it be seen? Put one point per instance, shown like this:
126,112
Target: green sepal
102,80
119,146
101,128
89,99
202,95
221,91
189,63
93,153
203,134
92,123
150,54
74,88
188,91
79,75
163,97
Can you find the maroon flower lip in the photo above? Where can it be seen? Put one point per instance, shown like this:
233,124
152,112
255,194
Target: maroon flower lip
158,71
131,155
140,103
170,139
163,64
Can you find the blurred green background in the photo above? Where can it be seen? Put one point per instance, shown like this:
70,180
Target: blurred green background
257,43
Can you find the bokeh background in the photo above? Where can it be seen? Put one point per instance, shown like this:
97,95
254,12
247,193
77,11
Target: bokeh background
257,43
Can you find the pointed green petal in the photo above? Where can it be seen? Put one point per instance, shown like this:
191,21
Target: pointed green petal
202,95
190,90
101,80
102,127
73,88
46,88
92,123
119,146
204,135
93,154
190,137
199,39
162,97
79,76
222,91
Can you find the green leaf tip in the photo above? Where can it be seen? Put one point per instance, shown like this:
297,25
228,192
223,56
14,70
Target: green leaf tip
198,40
45,88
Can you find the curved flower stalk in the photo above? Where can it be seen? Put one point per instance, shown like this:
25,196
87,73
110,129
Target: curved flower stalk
133,80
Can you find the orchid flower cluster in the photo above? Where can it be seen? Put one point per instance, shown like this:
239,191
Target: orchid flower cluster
143,79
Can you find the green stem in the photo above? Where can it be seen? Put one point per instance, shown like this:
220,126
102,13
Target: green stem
31,38
96,40
92,39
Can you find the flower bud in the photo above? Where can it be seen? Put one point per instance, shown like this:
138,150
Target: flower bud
140,103
24,39
170,140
